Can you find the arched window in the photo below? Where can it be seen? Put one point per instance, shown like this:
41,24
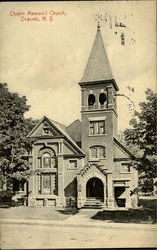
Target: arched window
91,100
97,152
47,159
102,99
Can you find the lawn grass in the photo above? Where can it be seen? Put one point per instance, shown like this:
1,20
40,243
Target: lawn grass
145,214
42,213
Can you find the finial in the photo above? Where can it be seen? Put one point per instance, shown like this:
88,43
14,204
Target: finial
98,19
98,27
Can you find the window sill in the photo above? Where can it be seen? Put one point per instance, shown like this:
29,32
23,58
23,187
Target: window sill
95,107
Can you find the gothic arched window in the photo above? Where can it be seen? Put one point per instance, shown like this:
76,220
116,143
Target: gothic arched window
102,98
91,100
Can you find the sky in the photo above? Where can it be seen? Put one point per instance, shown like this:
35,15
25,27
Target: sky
44,58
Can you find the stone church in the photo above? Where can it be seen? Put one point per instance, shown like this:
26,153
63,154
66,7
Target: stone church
84,163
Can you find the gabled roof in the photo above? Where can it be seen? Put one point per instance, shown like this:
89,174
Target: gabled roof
98,66
61,130
123,148
75,130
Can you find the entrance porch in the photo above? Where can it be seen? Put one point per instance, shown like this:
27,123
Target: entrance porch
92,188
101,190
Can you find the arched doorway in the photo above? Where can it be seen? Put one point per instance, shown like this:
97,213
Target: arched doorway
95,188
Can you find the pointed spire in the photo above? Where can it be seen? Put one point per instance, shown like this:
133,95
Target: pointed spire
98,66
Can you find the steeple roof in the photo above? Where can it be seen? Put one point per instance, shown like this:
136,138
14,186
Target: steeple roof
98,66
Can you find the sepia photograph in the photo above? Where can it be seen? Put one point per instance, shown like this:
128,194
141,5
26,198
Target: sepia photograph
78,159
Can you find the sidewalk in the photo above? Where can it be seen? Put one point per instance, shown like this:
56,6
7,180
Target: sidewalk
80,220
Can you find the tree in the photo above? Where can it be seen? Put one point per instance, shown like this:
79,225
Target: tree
141,138
14,128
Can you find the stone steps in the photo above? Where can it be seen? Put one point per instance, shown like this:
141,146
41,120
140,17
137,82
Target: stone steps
93,203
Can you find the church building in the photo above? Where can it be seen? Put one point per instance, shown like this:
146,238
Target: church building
84,163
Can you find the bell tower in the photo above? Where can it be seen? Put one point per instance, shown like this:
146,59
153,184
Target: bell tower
98,109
